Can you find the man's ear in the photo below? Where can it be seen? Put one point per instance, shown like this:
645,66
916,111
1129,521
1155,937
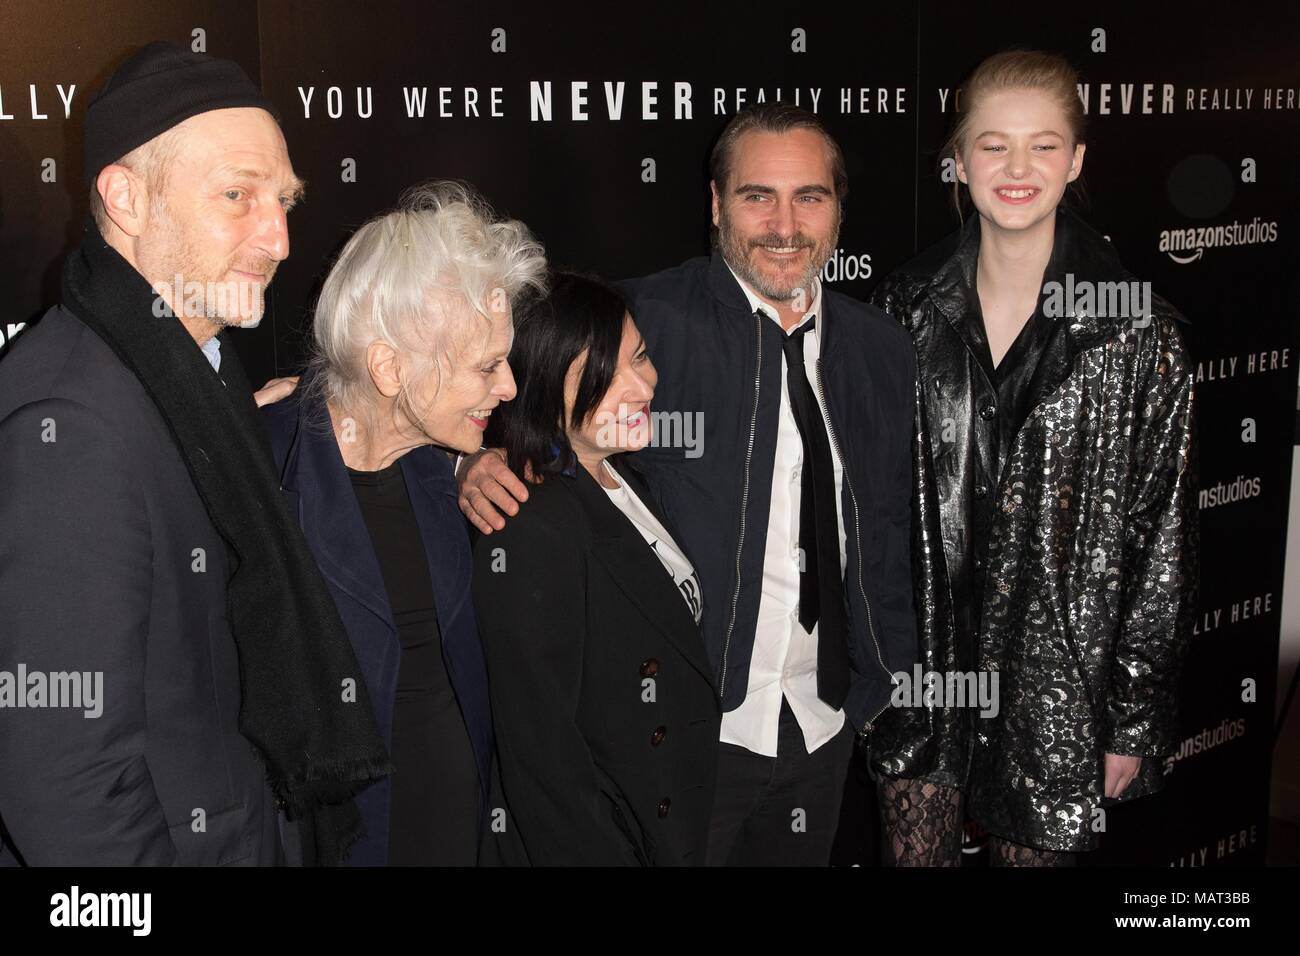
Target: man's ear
125,199
385,368
713,188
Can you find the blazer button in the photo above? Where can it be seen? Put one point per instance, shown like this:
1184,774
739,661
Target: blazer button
649,667
987,412
658,736
664,805
981,491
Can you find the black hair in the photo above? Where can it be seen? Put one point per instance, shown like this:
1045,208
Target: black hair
580,314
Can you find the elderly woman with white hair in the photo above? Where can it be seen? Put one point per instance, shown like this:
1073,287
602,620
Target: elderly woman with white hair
412,331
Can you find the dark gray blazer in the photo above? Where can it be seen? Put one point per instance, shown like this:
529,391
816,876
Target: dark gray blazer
109,563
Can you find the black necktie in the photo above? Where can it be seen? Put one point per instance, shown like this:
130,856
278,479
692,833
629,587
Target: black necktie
821,587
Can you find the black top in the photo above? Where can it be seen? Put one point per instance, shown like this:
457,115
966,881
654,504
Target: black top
1012,381
1013,376
434,809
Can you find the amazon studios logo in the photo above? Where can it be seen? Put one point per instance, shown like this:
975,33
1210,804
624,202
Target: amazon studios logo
1188,245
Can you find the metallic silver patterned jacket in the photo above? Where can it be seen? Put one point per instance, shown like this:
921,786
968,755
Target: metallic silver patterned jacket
1089,590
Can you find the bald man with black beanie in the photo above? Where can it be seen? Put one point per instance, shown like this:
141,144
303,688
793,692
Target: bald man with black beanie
188,695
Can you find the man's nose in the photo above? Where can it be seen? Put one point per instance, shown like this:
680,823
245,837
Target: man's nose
782,219
272,238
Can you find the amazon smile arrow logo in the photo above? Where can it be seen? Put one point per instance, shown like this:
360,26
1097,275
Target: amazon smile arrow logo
1186,245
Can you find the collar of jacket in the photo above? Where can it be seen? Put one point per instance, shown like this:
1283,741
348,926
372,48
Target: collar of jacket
726,291
316,481
1078,251
628,559
608,522
724,287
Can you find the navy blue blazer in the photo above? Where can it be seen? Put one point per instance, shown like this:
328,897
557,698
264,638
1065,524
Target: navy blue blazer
313,476
719,360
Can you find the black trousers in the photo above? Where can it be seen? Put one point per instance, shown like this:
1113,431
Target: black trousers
783,810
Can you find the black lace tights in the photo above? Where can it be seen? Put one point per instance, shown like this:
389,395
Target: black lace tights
921,825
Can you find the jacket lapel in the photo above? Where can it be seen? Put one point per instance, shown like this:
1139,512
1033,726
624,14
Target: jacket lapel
1080,250
636,570
430,482
1076,248
724,287
952,292
629,472
316,485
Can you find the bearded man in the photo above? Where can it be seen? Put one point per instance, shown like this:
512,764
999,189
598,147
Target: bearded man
147,548
796,510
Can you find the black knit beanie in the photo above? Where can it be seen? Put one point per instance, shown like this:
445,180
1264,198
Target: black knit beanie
158,87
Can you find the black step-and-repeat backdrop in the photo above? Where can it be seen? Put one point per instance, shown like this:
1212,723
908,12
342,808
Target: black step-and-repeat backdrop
592,122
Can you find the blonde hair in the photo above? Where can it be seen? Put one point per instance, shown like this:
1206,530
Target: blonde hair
416,278
1016,70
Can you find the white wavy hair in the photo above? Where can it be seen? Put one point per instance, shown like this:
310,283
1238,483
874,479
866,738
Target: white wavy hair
418,278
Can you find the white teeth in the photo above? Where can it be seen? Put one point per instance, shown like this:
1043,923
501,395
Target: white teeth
480,413
781,248
1016,193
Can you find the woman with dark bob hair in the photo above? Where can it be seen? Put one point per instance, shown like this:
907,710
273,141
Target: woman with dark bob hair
606,718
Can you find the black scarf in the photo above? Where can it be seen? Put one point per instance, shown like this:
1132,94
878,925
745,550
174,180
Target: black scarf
294,655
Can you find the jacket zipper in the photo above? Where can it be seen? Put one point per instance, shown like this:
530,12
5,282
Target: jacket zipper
744,499
857,537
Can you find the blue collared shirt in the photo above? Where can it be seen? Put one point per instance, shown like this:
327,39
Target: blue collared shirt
212,352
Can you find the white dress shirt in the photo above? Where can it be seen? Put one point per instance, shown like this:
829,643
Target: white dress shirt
784,662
